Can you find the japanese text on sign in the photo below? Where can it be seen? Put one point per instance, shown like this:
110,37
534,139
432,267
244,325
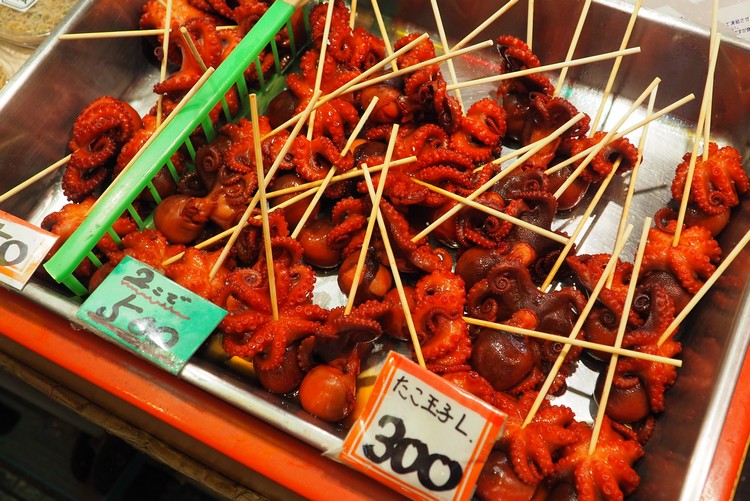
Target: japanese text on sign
421,435
150,314
423,399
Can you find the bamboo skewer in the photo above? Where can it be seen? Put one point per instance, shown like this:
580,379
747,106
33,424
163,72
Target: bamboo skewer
556,338
352,13
263,209
492,212
705,287
112,34
262,181
572,46
446,49
394,271
165,59
260,196
423,64
483,25
193,49
606,139
650,118
633,179
615,68
33,179
576,329
538,145
710,87
341,177
705,106
530,25
264,216
383,32
371,221
604,399
322,188
620,134
581,224
548,67
359,78
321,63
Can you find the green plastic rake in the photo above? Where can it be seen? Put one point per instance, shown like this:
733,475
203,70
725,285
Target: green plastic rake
176,133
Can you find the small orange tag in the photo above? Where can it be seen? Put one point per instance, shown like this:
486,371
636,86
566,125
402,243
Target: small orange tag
421,435
23,246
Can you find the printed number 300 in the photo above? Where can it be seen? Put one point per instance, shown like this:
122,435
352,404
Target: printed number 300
397,449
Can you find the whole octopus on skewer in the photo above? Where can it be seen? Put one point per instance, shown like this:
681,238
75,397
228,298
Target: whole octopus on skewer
314,353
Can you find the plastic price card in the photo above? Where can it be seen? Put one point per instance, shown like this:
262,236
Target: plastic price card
150,314
421,435
22,248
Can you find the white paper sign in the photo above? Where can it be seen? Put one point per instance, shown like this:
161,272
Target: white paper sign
23,246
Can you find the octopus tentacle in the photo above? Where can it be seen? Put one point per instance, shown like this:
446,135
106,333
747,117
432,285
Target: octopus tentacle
99,131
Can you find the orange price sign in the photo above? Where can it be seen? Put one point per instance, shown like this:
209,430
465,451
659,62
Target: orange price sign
22,248
421,435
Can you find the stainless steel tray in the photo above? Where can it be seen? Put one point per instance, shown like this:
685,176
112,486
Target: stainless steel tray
39,105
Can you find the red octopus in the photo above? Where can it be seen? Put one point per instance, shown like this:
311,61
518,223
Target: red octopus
154,13
356,47
425,97
509,362
506,290
638,386
533,449
416,140
147,246
193,269
532,110
692,260
329,390
439,300
227,170
342,331
212,47
67,220
477,228
481,131
99,132
589,269
249,330
717,181
313,159
302,84
608,473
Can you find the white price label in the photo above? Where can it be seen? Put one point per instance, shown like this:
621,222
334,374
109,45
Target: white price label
737,17
23,246
19,5
422,436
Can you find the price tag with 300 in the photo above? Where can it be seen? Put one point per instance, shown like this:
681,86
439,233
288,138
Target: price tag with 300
150,314
22,248
421,435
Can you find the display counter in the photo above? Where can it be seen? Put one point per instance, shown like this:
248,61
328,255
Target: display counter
231,452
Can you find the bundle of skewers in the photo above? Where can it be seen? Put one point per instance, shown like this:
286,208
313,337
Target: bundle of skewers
436,216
